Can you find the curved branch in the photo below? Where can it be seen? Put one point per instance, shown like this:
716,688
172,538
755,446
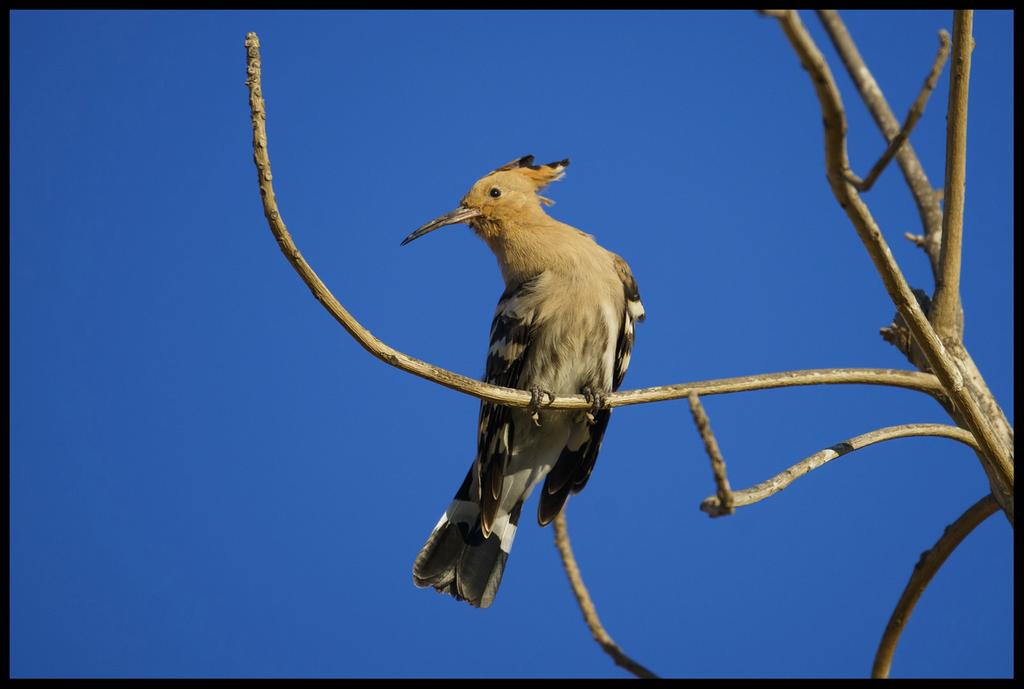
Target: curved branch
601,636
924,570
748,496
995,455
912,380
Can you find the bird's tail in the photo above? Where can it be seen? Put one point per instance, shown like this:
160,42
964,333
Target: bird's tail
458,560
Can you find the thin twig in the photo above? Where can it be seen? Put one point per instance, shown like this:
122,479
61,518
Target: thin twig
916,110
766,489
518,398
601,636
994,454
947,313
925,196
700,417
924,570
917,239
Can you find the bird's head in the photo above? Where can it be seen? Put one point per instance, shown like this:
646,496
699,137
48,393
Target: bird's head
500,198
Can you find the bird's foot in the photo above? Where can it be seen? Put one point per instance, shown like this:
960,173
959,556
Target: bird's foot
597,399
534,407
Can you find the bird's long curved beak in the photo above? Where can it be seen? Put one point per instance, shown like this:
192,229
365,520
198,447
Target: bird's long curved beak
460,214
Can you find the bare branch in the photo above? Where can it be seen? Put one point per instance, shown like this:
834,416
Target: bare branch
925,196
601,636
724,504
947,312
928,204
916,110
913,380
924,570
777,483
917,239
994,454
518,398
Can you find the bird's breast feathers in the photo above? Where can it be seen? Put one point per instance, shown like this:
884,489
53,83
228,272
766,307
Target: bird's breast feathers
561,332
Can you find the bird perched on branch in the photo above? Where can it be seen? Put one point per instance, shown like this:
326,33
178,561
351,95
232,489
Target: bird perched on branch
563,326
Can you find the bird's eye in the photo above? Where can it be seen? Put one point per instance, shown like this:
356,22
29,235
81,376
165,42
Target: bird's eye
495,192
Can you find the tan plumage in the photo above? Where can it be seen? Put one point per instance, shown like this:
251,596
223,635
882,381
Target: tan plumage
564,325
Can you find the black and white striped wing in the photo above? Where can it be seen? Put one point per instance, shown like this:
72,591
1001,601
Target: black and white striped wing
510,342
634,314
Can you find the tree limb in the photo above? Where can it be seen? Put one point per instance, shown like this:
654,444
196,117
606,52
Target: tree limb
724,494
916,110
925,196
927,200
508,396
994,454
947,312
748,496
924,570
912,380
601,636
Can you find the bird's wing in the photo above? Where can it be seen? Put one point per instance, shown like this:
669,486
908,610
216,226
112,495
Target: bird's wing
574,466
634,313
512,334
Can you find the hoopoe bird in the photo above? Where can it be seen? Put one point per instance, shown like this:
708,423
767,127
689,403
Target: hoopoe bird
564,325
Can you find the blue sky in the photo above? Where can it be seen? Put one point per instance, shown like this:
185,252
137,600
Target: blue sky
209,477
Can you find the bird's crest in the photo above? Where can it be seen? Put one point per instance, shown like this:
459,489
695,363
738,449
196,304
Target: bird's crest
539,176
